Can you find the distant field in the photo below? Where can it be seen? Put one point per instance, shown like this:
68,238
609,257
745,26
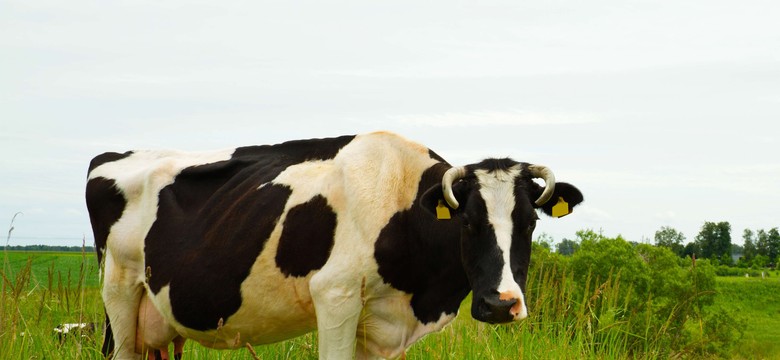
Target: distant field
64,267
43,289
755,301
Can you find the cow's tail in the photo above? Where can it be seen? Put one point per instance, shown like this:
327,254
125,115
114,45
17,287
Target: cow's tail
108,339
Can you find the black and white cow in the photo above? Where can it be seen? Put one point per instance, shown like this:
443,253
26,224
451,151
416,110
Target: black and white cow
264,243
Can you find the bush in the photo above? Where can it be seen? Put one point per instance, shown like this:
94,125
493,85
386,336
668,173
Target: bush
639,296
723,270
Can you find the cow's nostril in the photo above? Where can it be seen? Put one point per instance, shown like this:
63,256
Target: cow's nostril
516,309
498,310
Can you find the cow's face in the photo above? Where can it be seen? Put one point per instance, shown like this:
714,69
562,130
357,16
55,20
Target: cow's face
495,202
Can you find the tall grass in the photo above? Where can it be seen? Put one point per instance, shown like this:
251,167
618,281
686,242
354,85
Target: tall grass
568,319
564,323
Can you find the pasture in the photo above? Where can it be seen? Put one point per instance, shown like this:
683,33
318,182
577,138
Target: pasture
758,301
43,289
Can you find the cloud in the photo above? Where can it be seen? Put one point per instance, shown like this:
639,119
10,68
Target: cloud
494,118
73,212
592,214
667,216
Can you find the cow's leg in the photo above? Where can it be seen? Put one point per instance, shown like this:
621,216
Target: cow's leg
158,354
178,347
163,354
122,289
337,302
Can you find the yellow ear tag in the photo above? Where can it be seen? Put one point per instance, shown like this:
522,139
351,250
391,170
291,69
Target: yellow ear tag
442,211
561,209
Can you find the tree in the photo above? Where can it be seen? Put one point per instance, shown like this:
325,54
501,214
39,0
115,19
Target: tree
762,245
774,243
692,249
567,247
749,248
714,239
670,238
545,240
760,262
737,250
768,243
588,235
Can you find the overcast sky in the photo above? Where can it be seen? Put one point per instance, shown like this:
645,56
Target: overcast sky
663,113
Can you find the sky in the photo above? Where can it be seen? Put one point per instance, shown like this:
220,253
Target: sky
663,113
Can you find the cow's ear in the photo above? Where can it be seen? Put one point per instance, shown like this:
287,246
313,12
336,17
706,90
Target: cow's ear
564,199
433,200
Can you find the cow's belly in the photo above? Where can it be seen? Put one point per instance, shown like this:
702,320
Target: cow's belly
273,308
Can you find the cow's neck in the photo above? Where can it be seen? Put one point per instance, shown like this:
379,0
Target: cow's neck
420,255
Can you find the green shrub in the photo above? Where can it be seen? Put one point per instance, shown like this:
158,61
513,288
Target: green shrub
646,293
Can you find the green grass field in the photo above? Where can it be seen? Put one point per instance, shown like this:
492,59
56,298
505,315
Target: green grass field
755,301
41,290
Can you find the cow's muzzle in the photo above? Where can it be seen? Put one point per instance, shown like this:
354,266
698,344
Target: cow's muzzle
496,309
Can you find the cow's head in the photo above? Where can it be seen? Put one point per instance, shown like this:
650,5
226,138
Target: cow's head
495,203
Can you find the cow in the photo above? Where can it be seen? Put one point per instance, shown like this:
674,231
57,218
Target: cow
372,240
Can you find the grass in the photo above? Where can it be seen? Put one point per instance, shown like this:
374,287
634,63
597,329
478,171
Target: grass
42,290
756,302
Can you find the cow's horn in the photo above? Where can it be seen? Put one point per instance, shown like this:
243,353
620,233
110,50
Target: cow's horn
450,177
543,172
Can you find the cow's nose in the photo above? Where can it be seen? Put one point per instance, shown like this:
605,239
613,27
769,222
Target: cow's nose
499,310
517,310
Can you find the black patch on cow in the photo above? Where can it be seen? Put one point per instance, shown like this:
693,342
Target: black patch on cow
107,158
296,151
216,254
493,164
105,204
436,156
213,222
420,255
307,237
481,254
520,252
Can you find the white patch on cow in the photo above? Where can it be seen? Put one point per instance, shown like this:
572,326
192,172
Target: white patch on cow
497,190
146,169
378,176
388,325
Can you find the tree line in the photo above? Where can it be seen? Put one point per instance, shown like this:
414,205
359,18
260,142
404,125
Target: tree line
761,247
50,248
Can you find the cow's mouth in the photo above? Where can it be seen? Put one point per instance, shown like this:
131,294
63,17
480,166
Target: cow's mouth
491,309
